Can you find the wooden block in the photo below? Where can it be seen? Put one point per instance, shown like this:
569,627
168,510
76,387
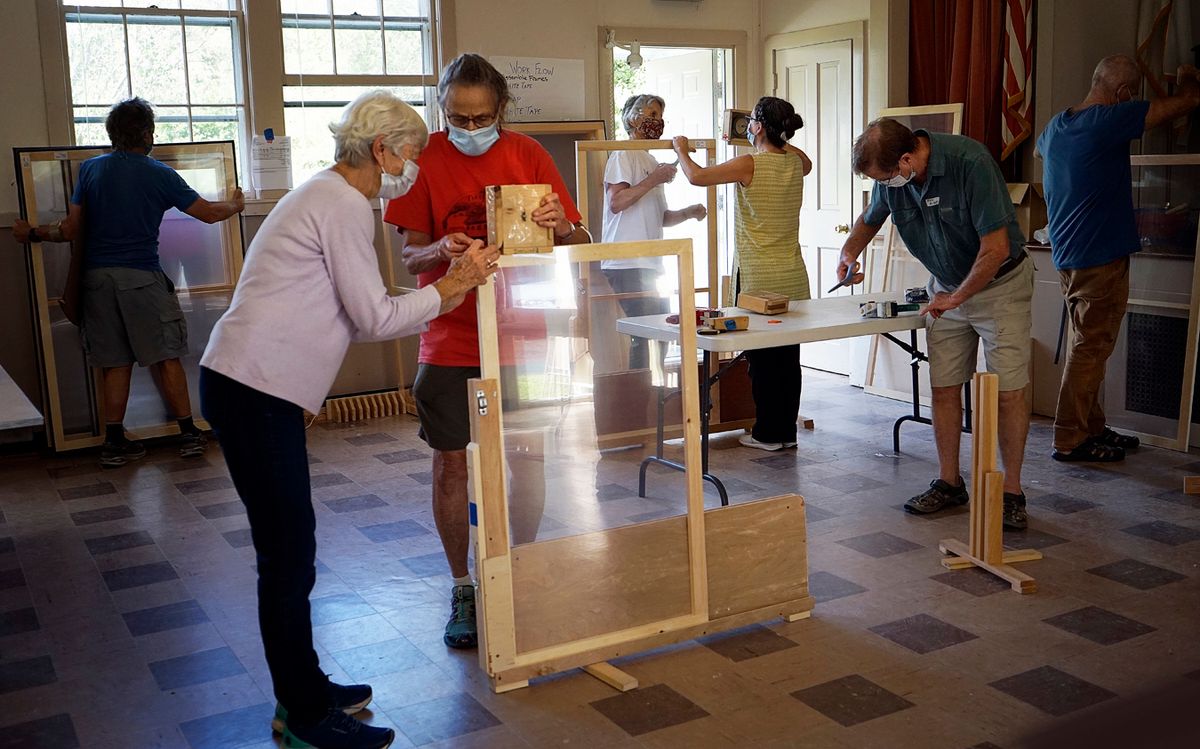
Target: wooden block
500,687
1008,557
612,676
807,422
797,616
763,302
727,323
1020,582
510,221
993,523
1191,484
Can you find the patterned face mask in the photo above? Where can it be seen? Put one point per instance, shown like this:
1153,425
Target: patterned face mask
651,128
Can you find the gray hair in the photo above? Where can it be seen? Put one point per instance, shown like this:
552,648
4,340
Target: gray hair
371,115
634,106
1115,71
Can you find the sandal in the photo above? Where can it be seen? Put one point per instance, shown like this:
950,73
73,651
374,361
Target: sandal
1091,450
1115,439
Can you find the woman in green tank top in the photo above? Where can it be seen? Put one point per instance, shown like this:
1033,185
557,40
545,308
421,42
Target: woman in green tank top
769,191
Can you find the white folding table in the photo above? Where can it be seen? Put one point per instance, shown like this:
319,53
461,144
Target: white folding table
804,322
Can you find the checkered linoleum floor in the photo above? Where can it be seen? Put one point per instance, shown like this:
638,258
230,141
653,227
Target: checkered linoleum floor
127,612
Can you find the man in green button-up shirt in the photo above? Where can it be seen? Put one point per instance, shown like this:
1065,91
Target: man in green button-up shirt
951,206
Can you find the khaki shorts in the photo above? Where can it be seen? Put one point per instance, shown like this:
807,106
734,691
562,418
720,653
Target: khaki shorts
131,315
1000,316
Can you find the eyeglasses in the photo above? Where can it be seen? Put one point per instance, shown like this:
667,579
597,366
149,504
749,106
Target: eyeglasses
479,120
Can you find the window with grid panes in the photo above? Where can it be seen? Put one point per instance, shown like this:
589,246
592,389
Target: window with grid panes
183,56
334,50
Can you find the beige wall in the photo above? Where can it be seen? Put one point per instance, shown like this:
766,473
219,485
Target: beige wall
24,120
1073,35
569,30
886,60
782,16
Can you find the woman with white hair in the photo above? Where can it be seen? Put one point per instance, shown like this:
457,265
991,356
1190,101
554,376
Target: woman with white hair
635,209
310,286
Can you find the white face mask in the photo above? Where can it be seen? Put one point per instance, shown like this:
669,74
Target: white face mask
899,180
394,185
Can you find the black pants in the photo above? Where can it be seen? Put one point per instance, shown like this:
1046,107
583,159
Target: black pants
263,440
632,280
775,383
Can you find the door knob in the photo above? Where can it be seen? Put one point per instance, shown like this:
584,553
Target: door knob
842,228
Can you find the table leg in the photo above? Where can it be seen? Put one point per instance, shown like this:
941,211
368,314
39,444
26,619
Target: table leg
706,406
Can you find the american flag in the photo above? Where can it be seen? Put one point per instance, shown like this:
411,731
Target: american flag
1018,74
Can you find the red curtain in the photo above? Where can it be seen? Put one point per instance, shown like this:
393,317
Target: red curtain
956,54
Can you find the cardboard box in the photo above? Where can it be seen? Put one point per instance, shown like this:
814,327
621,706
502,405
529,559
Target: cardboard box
510,221
1029,201
763,302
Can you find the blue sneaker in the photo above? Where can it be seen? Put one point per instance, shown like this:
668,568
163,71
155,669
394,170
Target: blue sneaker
350,699
336,731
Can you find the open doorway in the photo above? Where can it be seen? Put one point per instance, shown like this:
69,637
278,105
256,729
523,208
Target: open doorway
695,83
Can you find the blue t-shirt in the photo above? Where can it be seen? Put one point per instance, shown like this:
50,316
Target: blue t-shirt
1089,185
124,196
943,220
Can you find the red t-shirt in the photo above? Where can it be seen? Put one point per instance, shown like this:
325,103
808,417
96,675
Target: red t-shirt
448,198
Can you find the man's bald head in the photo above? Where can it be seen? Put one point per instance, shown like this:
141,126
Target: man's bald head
1114,72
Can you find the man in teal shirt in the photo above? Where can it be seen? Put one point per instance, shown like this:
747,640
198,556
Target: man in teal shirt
950,204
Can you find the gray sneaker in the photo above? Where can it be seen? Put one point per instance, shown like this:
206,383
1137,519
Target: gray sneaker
117,454
192,444
1015,516
939,496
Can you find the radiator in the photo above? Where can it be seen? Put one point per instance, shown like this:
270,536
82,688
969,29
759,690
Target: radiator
369,406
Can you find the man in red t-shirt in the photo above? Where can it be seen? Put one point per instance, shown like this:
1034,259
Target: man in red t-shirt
440,216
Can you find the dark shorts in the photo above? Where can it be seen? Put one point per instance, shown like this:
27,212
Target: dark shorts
441,395
443,403
131,315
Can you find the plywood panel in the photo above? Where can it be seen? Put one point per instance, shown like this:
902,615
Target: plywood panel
757,555
582,586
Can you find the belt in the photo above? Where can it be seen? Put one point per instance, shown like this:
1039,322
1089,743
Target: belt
1008,265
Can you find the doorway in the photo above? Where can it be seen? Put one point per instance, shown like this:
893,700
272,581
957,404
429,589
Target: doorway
695,83
820,73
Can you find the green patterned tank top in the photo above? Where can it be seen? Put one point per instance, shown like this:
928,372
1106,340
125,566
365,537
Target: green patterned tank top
766,253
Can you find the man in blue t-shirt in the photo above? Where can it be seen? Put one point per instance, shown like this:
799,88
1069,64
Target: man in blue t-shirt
130,310
1089,201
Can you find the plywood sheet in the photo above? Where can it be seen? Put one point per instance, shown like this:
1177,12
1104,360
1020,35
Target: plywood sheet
757,555
581,586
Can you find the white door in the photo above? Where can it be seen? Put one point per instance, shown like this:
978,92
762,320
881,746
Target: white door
818,80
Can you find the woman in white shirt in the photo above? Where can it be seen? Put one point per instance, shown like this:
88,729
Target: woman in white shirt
635,209
310,286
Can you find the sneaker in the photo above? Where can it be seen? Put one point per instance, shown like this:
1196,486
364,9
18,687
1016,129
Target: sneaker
192,444
117,454
1091,450
937,496
748,440
1015,516
350,699
460,630
336,731
1116,439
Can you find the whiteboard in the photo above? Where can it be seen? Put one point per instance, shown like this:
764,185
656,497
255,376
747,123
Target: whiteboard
542,88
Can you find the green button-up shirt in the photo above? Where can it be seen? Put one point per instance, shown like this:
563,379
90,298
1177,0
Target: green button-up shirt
941,221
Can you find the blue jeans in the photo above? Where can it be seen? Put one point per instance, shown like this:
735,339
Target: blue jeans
263,440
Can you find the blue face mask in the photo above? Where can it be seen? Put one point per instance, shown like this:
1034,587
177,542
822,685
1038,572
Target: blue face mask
474,142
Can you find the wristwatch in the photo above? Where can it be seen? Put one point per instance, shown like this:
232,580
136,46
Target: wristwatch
34,236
